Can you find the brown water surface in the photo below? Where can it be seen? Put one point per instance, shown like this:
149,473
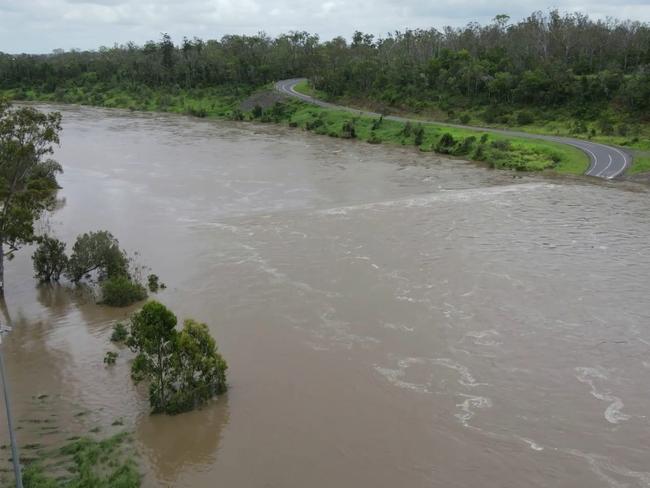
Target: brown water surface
390,318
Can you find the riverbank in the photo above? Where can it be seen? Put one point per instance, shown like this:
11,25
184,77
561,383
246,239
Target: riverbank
614,131
497,151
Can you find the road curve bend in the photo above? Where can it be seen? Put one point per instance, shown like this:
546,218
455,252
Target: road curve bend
605,161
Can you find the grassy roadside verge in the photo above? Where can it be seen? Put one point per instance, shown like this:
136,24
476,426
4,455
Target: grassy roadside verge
502,152
498,151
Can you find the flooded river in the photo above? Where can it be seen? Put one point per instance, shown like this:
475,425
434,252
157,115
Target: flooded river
390,318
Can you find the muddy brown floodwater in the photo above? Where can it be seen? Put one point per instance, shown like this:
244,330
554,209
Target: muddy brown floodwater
390,318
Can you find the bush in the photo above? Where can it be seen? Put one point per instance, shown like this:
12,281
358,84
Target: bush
347,131
502,145
97,251
465,118
465,146
197,112
110,358
407,130
257,112
373,138
445,144
525,118
120,333
419,135
49,259
120,291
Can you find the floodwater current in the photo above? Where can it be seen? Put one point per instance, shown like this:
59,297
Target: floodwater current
390,318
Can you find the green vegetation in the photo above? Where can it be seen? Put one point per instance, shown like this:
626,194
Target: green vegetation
497,150
86,463
97,251
560,74
154,284
120,333
95,256
641,164
49,259
28,183
183,368
110,358
121,291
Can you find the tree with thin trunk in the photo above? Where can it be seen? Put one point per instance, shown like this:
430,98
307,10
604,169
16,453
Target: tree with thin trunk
152,337
28,183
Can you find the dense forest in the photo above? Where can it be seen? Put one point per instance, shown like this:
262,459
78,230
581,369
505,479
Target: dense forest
545,65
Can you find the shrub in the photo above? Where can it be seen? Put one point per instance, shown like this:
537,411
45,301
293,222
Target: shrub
49,259
502,144
376,123
120,333
257,112
110,358
419,135
606,127
97,251
465,118
197,112
525,118
347,130
407,130
484,138
120,291
373,138
445,143
465,146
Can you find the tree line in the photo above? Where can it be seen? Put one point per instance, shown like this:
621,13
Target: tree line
545,60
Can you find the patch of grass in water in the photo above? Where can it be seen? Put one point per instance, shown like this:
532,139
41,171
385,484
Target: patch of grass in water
86,463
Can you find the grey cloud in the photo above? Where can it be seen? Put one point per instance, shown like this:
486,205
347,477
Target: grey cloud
42,25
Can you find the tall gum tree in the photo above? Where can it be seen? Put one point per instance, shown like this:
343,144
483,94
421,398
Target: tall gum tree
28,183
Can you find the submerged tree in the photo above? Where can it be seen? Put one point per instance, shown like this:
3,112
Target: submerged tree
49,259
27,175
199,370
184,368
152,337
97,251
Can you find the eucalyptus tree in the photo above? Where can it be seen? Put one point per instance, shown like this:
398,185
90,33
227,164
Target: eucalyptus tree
28,174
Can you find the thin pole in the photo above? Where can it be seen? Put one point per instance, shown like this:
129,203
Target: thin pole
14,446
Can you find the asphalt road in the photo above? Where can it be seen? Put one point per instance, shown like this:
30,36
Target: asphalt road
605,161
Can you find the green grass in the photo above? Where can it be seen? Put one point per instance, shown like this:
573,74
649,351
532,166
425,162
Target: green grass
85,463
306,89
499,151
640,164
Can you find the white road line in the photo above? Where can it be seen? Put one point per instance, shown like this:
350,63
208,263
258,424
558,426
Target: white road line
289,88
606,167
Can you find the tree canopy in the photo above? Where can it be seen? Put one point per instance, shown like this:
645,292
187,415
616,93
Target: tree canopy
551,58
27,174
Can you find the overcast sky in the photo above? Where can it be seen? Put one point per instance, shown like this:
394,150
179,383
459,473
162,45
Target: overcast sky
39,26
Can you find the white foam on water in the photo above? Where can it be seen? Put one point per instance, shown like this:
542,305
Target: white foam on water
483,337
394,377
468,407
466,377
613,412
532,444
602,465
401,327
473,194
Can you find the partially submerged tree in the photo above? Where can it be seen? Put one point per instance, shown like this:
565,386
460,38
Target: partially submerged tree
27,174
199,370
97,251
184,368
152,337
49,259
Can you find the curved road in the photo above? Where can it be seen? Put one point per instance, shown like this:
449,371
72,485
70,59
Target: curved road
605,161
